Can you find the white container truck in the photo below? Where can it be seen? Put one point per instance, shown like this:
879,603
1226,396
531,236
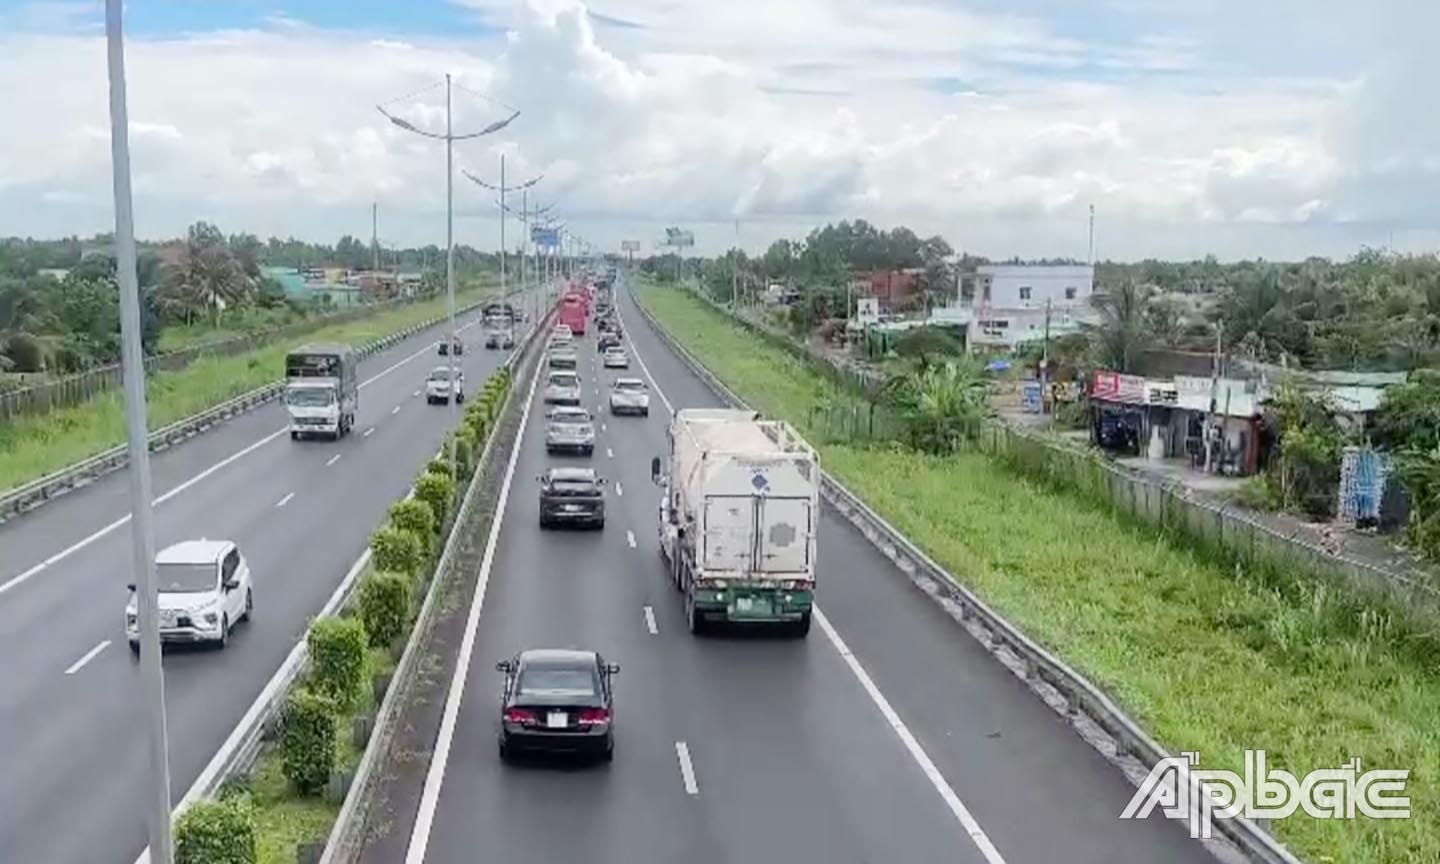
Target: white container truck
322,392
739,516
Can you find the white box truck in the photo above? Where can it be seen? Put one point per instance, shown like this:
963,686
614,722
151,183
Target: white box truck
322,392
739,516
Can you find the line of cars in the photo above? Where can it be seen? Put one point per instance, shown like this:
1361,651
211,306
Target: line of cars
553,699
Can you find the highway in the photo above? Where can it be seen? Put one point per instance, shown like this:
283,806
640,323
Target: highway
71,742
888,735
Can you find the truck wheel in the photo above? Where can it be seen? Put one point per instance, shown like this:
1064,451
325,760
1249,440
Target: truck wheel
294,436
800,629
693,618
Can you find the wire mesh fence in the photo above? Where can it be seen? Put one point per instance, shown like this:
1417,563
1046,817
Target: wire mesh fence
1212,527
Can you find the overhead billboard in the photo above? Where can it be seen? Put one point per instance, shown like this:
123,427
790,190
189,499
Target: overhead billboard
546,237
629,245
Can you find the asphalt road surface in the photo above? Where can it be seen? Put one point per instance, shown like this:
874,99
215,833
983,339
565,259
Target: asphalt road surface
887,735
72,748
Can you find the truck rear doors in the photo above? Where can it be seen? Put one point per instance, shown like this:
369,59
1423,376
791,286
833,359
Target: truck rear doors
757,534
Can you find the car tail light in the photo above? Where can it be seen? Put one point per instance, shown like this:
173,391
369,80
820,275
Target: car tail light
523,716
594,717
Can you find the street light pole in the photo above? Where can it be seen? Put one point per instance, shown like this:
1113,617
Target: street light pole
449,138
453,407
142,528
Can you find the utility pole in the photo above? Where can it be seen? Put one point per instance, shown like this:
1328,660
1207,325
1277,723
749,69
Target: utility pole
1092,235
142,527
375,236
1045,359
1214,397
735,271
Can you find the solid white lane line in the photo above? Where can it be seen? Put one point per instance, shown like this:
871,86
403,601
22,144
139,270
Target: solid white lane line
650,621
687,770
630,538
911,744
89,655
395,410
917,752
369,432
228,460
286,500
333,460
435,774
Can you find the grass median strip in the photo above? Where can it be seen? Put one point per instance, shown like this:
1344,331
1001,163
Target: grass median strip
34,446
1207,656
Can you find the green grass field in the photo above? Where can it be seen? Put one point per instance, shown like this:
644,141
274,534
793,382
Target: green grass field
1206,656
35,446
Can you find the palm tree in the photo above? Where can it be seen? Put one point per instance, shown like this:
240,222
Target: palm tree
1123,330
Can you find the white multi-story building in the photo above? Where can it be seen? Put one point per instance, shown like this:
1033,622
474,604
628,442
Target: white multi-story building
1006,305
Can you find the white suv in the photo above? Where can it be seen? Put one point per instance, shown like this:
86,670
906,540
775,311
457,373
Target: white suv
203,588
437,386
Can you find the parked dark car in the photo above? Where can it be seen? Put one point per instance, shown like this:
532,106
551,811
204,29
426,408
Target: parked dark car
572,496
557,701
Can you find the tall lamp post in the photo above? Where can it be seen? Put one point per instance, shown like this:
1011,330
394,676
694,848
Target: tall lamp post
142,528
502,190
449,138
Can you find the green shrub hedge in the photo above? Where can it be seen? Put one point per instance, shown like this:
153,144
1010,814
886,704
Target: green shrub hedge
396,550
337,659
415,516
438,491
384,607
308,742
217,832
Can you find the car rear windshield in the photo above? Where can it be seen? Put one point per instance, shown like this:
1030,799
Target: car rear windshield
630,386
557,681
442,374
572,416
563,380
185,578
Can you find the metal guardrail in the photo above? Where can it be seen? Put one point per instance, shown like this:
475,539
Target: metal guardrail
1080,701
347,834
80,386
44,489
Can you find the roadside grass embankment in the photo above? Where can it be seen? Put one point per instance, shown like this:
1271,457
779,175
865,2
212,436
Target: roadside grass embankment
34,446
1206,654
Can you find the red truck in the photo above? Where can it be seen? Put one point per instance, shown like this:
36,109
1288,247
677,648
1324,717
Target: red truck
574,310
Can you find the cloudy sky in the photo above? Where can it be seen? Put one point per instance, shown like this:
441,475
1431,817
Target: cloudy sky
1280,128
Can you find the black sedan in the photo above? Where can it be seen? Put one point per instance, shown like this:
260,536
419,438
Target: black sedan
557,701
572,496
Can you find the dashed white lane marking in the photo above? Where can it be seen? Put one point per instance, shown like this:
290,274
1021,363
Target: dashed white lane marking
687,770
286,500
369,432
911,744
416,393
650,621
630,538
603,428
333,460
609,453
619,490
90,655
228,460
395,410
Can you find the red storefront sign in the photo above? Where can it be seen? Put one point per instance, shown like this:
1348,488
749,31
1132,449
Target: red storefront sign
1115,387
